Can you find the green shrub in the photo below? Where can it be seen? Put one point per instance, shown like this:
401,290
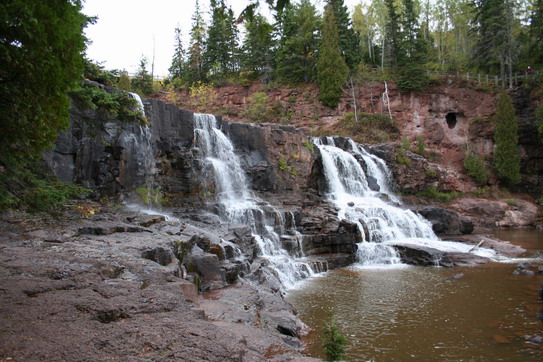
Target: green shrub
309,145
433,194
117,105
334,342
506,155
540,122
258,109
475,167
421,149
406,145
401,157
33,191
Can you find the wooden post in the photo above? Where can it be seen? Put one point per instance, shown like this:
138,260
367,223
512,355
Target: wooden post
479,78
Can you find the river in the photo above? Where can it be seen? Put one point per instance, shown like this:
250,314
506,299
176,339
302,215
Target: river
415,313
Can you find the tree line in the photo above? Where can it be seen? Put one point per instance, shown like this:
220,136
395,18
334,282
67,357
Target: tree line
402,37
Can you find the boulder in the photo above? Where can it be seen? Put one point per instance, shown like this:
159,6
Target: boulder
446,222
426,256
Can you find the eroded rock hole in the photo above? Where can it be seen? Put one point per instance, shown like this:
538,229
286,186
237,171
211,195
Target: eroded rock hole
451,119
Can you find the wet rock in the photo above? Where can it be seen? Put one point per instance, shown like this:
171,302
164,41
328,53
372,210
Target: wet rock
208,268
159,255
426,256
446,222
458,276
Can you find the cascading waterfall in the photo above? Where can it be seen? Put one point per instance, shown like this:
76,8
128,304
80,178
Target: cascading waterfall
238,205
150,195
380,223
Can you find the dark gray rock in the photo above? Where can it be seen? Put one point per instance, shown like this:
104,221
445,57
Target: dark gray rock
425,256
446,222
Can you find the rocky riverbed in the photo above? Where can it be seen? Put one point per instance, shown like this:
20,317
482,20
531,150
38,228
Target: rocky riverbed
110,287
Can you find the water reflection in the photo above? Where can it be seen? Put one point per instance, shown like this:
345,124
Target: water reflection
425,314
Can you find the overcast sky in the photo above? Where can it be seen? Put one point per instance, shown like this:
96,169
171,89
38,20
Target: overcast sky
126,30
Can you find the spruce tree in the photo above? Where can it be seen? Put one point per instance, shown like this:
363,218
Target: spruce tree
258,48
195,72
349,43
220,57
506,153
391,44
142,83
177,69
331,68
299,41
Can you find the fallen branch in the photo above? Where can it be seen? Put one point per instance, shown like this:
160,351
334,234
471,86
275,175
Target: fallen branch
476,246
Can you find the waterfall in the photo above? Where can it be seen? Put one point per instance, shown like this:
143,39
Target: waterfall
381,223
148,192
238,205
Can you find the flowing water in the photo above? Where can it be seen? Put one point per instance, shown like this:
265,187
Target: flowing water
382,223
237,204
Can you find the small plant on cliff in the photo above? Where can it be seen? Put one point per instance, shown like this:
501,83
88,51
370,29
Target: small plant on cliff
401,157
334,342
434,194
309,145
421,149
540,123
258,109
475,167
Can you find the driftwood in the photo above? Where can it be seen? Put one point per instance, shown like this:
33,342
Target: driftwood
476,246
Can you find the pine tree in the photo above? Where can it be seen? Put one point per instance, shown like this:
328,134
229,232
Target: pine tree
195,72
124,82
349,44
497,47
177,69
331,68
299,41
220,57
258,48
506,154
536,34
392,39
412,50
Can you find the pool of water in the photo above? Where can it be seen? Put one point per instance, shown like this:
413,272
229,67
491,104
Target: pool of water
417,313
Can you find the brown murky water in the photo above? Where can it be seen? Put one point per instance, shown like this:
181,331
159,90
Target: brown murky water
416,313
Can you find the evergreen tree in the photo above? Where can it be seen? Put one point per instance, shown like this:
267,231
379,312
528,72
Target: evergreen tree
506,154
392,38
221,45
412,50
496,48
331,68
177,69
299,41
142,83
349,44
195,62
258,48
41,52
536,34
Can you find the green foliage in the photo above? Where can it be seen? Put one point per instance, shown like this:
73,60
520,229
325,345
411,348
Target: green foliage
97,73
540,122
370,128
221,53
413,78
178,67
309,145
401,157
116,105
482,191
475,167
334,342
506,155
142,83
202,96
282,163
512,202
406,145
195,61
421,149
41,52
23,185
298,43
433,194
151,195
349,44
257,55
124,83
331,68
258,109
